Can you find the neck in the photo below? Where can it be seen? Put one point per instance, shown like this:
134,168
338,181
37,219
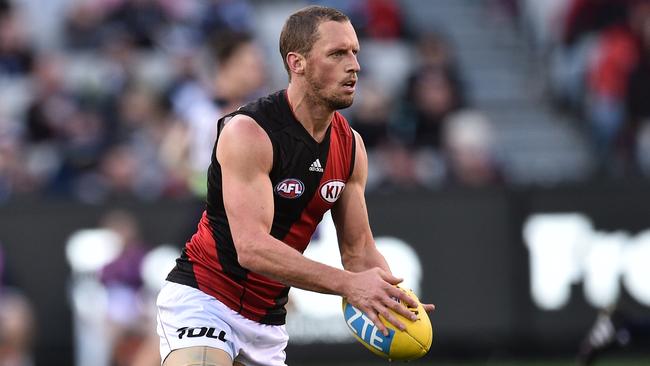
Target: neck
314,116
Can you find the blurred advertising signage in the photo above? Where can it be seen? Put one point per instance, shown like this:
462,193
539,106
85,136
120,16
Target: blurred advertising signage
565,249
317,318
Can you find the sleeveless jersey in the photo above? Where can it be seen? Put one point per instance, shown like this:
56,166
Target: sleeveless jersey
307,177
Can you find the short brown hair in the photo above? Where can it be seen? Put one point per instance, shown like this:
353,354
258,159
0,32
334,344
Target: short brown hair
300,31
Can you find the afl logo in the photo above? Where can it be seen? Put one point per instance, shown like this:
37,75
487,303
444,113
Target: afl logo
290,188
331,190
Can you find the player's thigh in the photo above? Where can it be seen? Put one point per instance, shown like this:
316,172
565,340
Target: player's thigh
199,356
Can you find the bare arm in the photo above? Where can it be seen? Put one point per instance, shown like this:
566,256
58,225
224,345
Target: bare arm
350,215
246,157
359,253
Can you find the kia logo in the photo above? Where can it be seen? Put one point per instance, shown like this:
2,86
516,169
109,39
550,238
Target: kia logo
331,190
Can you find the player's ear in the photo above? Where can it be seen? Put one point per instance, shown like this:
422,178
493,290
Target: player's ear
296,63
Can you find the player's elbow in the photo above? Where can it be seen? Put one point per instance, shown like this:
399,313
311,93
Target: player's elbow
248,261
247,252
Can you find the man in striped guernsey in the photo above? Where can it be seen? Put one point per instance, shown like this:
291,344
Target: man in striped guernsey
278,165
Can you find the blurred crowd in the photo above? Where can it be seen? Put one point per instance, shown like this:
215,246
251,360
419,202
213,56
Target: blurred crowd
118,107
123,99
599,72
120,97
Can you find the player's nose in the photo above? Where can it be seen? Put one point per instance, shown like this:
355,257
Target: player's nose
354,65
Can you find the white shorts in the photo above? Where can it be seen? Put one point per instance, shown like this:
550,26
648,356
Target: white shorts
188,317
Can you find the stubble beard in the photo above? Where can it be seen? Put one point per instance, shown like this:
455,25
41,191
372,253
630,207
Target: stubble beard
318,95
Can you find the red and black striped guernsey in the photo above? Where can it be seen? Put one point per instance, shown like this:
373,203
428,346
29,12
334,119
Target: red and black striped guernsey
307,178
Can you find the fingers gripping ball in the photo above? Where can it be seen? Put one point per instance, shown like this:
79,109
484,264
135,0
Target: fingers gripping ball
410,344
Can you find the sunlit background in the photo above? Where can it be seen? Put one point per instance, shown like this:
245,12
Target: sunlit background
509,153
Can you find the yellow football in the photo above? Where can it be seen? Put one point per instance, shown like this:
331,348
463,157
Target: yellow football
409,344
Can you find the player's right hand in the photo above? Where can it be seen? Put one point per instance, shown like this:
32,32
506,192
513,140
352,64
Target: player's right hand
374,292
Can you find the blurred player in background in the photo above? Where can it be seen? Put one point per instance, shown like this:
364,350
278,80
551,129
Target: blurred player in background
621,326
238,76
125,314
17,323
280,163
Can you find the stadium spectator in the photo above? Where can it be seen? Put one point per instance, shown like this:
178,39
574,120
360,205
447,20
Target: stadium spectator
638,91
119,53
82,145
435,52
469,150
119,169
82,29
375,19
16,53
381,19
599,75
371,114
143,21
433,91
13,176
587,16
46,116
219,16
52,104
397,167
606,83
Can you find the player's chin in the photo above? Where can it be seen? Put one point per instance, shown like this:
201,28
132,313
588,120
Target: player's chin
342,101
